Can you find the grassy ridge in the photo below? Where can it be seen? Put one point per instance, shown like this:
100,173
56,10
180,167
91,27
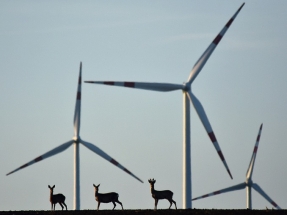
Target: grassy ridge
148,212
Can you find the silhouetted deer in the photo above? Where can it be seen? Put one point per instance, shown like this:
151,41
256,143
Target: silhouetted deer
58,198
164,194
106,197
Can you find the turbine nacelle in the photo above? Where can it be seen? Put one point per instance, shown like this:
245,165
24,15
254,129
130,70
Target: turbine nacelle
249,182
76,140
186,87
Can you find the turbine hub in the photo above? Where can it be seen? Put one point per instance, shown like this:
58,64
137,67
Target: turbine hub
249,181
187,87
76,139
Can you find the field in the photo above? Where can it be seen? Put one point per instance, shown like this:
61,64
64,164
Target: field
148,212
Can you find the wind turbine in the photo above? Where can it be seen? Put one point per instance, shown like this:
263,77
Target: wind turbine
76,142
248,184
187,95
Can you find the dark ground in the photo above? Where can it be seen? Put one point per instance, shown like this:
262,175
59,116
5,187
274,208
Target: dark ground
149,212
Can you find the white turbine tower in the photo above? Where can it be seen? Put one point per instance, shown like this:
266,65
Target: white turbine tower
187,95
248,184
76,142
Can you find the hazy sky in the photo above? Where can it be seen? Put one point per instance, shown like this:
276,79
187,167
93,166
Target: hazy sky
242,85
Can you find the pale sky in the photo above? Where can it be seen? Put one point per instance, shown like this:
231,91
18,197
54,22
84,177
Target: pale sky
242,85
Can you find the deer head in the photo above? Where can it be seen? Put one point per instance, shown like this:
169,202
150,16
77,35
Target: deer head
96,187
152,182
51,188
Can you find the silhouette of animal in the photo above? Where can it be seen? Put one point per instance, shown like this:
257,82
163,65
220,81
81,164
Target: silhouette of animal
106,197
58,198
157,195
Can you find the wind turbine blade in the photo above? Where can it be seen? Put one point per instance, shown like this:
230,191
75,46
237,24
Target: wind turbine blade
46,155
225,190
104,155
162,87
202,115
252,161
77,116
262,193
203,59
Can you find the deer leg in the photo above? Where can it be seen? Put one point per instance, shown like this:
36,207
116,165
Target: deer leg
99,205
65,205
155,204
170,201
61,205
174,204
120,204
114,205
